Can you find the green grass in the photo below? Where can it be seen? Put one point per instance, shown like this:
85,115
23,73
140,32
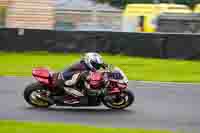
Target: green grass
38,127
20,64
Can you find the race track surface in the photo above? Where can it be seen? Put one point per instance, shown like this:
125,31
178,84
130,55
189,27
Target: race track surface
158,105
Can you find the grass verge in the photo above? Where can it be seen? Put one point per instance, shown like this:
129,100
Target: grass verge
20,64
38,127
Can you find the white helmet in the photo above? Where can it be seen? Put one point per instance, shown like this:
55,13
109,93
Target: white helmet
93,60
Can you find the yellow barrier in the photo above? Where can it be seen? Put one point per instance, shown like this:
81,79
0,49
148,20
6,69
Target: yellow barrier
149,14
196,8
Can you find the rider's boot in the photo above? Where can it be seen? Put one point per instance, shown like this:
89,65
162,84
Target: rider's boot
68,86
71,90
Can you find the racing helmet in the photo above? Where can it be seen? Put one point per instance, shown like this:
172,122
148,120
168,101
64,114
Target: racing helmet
93,60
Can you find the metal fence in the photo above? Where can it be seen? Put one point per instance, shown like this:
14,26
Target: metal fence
179,23
67,19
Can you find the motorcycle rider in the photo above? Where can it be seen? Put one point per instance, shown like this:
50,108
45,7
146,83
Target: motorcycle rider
91,61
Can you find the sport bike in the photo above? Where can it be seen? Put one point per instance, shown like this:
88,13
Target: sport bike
106,87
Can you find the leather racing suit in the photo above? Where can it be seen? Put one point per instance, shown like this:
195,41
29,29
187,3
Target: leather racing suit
72,74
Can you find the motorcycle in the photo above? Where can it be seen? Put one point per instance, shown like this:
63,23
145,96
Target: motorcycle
106,89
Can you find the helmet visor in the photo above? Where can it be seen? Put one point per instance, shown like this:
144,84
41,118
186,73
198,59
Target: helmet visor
96,65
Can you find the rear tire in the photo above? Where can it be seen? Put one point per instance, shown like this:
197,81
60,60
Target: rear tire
124,104
29,90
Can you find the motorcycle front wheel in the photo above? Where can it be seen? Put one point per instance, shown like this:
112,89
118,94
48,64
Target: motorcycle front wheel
120,101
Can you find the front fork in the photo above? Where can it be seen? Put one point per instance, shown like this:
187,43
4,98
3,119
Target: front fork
111,95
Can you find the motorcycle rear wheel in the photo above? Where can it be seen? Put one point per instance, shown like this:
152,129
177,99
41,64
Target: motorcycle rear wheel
123,103
30,95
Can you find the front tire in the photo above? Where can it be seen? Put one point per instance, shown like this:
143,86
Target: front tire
121,104
30,97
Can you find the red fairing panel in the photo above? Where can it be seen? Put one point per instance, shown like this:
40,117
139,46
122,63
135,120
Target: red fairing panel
95,80
115,90
41,74
42,80
96,76
122,86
